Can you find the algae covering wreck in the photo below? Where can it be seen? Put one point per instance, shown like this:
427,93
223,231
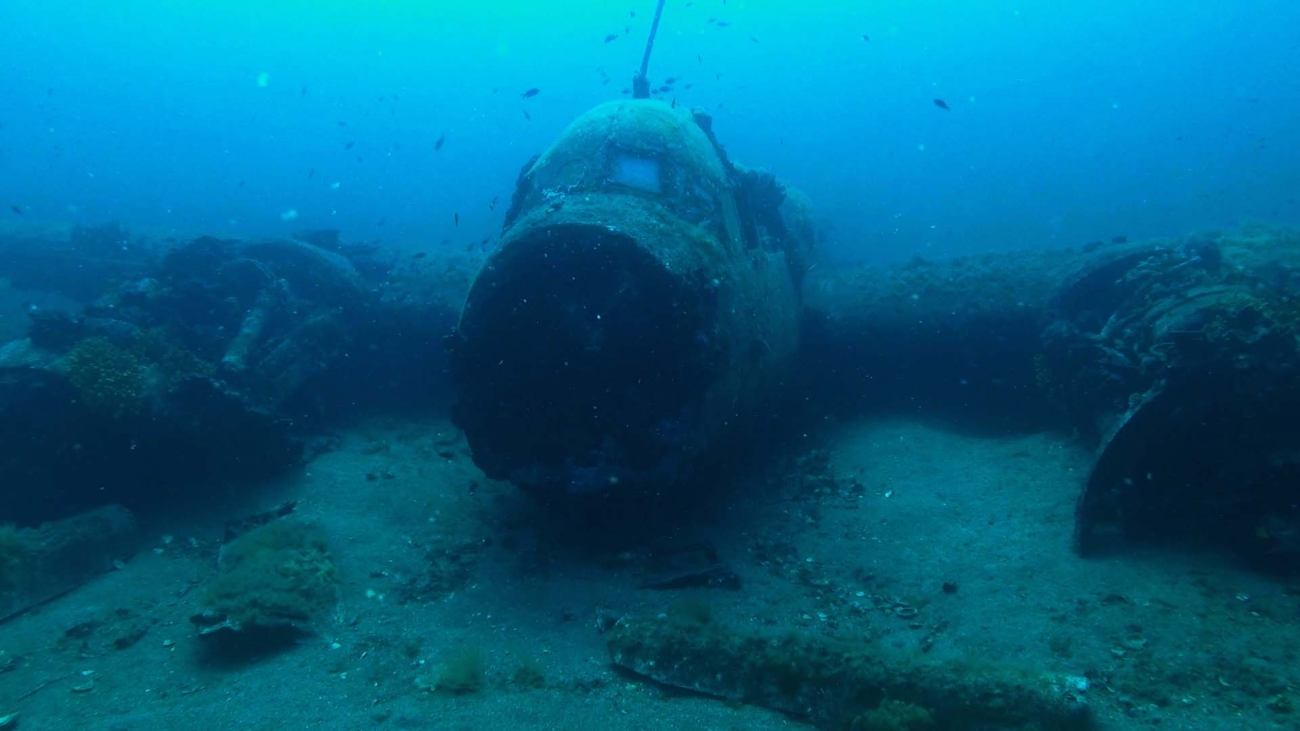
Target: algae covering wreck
837,684
1180,358
641,306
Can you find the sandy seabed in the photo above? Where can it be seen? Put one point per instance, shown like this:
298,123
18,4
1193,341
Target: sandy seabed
973,531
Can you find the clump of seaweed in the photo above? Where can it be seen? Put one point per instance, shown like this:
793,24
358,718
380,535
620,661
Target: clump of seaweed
462,671
279,574
110,379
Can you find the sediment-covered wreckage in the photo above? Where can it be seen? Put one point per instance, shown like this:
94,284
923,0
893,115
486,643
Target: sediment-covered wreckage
216,359
1176,358
648,302
842,684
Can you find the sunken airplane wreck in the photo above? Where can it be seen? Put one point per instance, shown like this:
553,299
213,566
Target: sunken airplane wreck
647,298
642,304
642,310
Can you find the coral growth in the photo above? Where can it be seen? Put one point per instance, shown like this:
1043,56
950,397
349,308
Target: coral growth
110,379
117,381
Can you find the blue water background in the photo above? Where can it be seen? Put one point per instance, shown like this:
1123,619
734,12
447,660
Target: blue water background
1069,121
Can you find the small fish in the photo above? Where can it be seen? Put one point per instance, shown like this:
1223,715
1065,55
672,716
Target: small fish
627,29
303,91
17,211
419,255
625,91
495,89
604,81
456,220
493,205
688,86
941,104
687,5
311,173
1119,240
866,37
631,13
528,116
670,81
529,94
349,145
611,37
722,24
381,222
342,123
381,97
438,145
752,38
699,58
674,104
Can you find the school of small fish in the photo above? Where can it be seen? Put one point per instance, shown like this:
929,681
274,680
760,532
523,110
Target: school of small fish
665,90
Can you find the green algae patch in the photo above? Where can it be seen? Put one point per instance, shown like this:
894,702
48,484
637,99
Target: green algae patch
462,671
279,574
841,685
